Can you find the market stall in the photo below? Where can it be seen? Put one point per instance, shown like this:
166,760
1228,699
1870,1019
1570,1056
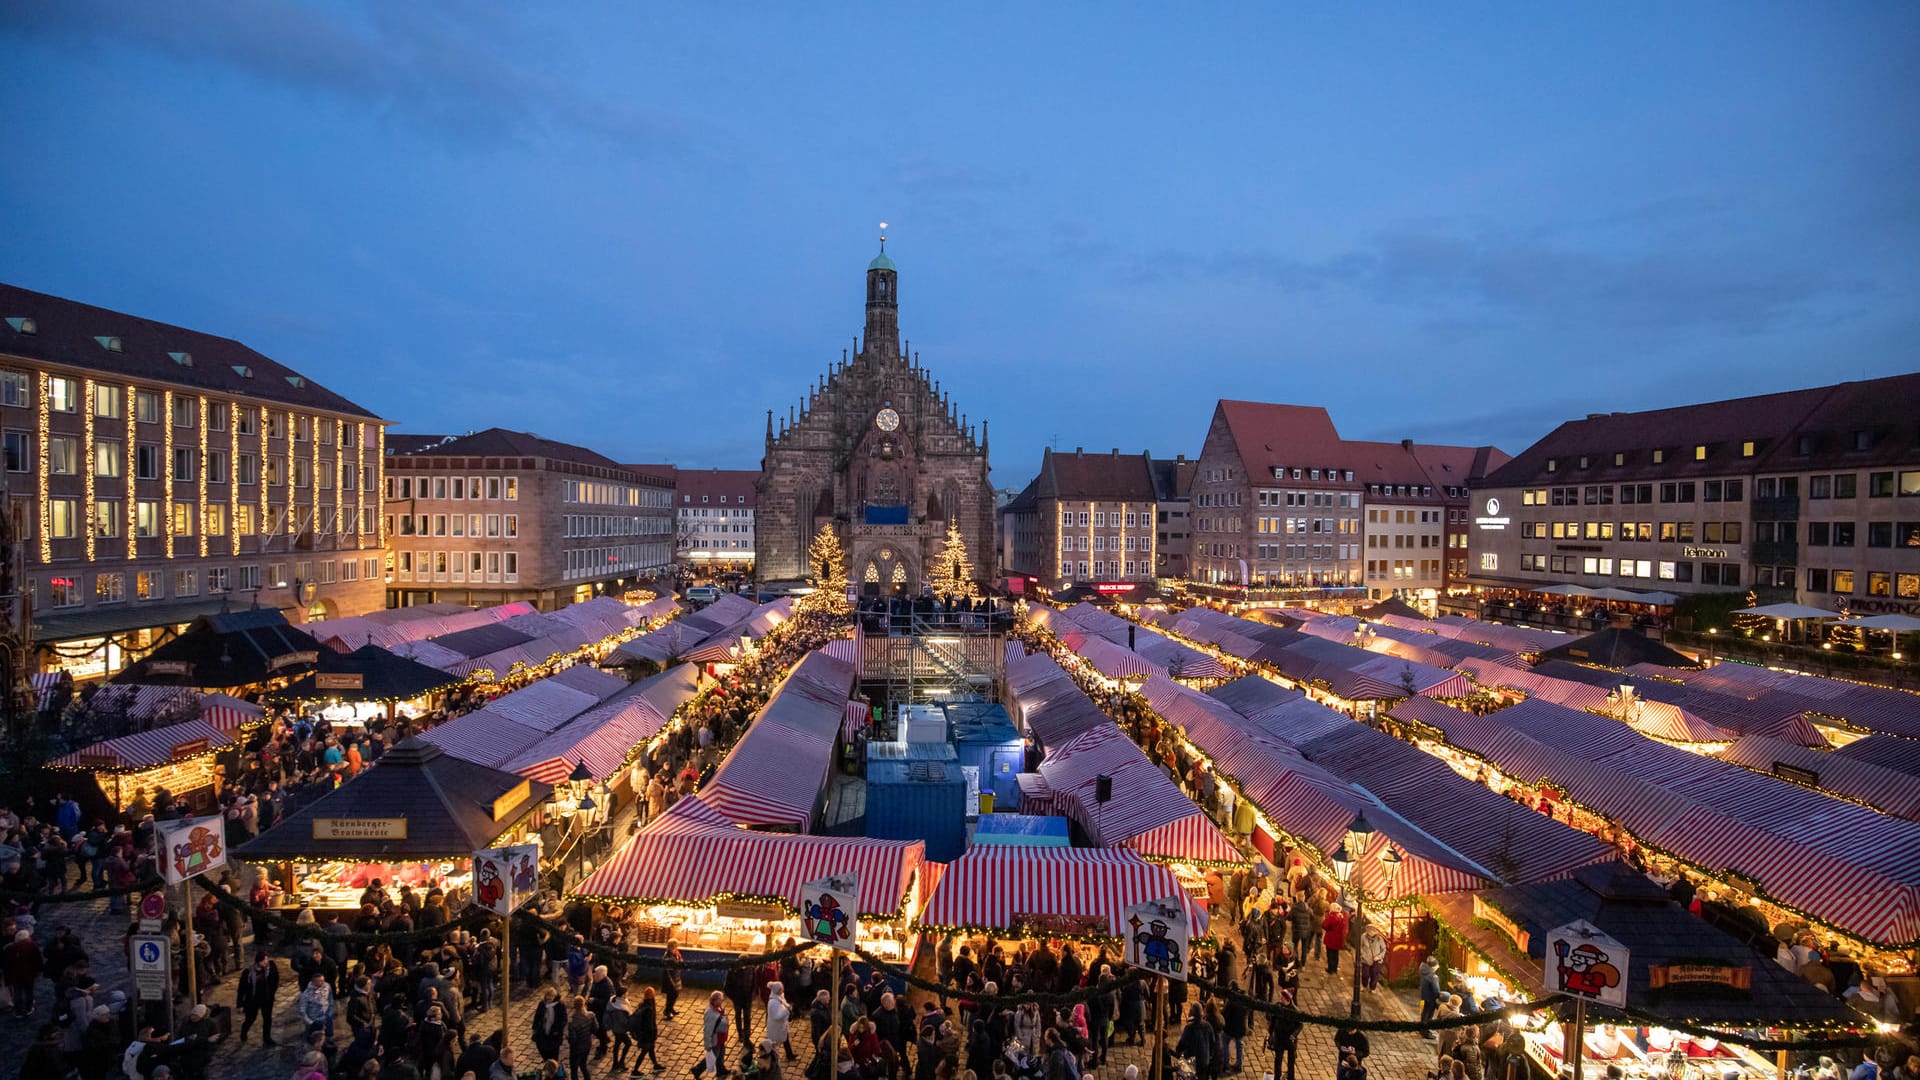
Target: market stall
415,817
694,877
256,649
776,775
1007,893
1145,811
179,758
370,681
1681,969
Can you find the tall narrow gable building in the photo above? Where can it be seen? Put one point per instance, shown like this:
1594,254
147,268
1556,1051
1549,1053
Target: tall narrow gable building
879,451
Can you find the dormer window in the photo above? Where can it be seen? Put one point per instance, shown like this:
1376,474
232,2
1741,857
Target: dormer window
1659,457
1584,462
1553,465
23,325
111,344
1747,448
1700,452
184,359
1619,460
298,382
243,371
1863,440
1803,446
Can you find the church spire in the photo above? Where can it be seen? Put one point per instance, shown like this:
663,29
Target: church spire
883,303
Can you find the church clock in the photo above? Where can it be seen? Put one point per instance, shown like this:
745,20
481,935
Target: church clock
887,420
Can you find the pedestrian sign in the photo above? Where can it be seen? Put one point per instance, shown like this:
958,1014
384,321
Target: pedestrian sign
151,960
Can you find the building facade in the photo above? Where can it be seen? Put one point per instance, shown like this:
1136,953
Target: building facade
498,516
156,474
1453,470
713,518
1173,523
879,452
1811,495
1085,519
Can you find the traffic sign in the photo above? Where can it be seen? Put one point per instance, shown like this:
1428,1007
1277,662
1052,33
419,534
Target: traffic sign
151,960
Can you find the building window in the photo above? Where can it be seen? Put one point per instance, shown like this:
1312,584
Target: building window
15,389
109,588
1489,560
64,592
183,519
183,411
106,518
146,518
19,451
146,407
63,455
183,463
63,395
149,585
63,522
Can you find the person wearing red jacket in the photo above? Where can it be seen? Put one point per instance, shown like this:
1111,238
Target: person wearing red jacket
1334,926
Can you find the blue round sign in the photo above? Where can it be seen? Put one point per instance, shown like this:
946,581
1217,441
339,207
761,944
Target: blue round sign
149,952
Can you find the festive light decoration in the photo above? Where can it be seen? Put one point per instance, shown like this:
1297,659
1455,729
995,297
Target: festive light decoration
86,465
233,475
828,561
952,572
264,524
45,508
133,505
166,471
379,465
202,474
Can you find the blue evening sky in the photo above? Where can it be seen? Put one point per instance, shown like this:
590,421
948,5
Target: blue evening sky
639,227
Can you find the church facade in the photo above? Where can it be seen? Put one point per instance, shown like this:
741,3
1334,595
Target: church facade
879,451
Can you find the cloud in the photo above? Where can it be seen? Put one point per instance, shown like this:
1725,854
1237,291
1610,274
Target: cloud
1470,277
437,68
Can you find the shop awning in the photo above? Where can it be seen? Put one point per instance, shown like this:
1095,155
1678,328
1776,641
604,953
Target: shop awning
694,853
1148,812
1618,647
602,737
397,626
415,803
147,749
775,774
1079,891
52,626
1887,790
368,673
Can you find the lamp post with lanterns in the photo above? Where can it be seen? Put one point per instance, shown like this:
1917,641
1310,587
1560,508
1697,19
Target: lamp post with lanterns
1346,867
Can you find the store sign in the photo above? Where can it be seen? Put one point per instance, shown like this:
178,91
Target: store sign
1108,588
386,828
1492,519
504,878
1045,924
1158,937
190,848
169,667
511,801
1734,977
1582,962
1704,553
191,747
293,659
1796,774
746,911
830,911
339,681
1501,921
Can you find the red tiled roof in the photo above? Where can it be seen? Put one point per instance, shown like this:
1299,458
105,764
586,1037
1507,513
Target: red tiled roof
728,487
68,332
1096,476
499,442
1269,435
1388,463
1458,465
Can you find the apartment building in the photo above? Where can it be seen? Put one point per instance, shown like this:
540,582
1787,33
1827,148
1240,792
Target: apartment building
497,516
1085,519
1276,502
155,474
1173,521
1811,495
1453,470
1404,527
713,517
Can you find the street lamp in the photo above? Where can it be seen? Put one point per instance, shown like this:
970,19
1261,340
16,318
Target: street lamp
1346,865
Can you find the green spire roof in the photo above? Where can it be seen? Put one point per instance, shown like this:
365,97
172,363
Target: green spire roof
881,262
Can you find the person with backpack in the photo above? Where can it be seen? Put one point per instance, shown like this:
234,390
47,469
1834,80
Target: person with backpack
713,1037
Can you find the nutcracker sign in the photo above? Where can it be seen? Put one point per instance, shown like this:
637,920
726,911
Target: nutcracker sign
830,911
1585,963
190,848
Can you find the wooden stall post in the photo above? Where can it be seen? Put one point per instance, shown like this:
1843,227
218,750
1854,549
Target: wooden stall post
193,965
506,966
1159,1024
833,1059
1577,1046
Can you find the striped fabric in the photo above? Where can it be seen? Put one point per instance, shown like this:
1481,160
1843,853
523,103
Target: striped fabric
600,738
230,713
1900,755
1113,661
147,749
144,704
851,650
995,886
774,775
693,853
1887,790
483,737
46,684
856,718
1873,708
1144,804
543,705
1036,798
1660,720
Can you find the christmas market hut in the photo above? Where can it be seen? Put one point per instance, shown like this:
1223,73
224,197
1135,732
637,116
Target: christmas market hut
256,648
1007,893
369,681
1686,980
173,738
415,817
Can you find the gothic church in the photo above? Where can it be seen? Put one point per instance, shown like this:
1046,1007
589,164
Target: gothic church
876,449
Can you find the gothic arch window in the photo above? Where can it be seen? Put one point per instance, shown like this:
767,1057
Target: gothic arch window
886,486
873,573
899,574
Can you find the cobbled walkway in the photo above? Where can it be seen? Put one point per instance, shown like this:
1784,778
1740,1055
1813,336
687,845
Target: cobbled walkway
1395,1056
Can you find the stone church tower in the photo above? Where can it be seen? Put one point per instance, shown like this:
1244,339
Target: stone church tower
876,449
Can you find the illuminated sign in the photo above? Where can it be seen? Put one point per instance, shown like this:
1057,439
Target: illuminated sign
1492,519
1109,587
1704,553
510,800
292,659
391,828
191,747
339,681
169,667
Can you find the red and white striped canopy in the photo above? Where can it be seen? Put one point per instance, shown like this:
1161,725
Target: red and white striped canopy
774,775
230,713
147,749
998,887
693,853
851,650
1148,812
1889,791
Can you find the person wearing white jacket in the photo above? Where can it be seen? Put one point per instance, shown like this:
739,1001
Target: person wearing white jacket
779,1013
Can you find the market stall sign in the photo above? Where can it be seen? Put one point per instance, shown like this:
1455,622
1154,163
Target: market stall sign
1501,921
1055,924
1736,977
190,748
169,667
1798,775
99,761
337,680
293,659
1109,588
747,911
511,800
389,828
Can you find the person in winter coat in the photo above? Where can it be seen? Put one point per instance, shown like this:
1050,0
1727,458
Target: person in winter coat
713,1037
820,1015
1133,1013
739,986
582,1030
616,1020
893,1027
1429,992
1196,1043
1305,926
23,962
1333,930
259,983
600,994
1283,1038
1372,956
315,1004
779,1017
1060,1062
644,1026
1027,1026
44,1060
1236,1017
433,1044
672,980
99,1044
549,1024
1100,1016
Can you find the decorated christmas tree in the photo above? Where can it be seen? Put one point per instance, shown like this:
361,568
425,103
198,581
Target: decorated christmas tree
828,561
1844,634
952,571
1752,625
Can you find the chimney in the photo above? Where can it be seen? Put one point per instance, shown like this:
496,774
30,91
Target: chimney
1407,445
1079,449
1116,451
1180,459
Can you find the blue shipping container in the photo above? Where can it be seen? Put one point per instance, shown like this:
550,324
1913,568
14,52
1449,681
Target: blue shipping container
984,737
918,800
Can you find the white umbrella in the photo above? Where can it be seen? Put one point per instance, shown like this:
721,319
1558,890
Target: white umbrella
1789,611
1895,623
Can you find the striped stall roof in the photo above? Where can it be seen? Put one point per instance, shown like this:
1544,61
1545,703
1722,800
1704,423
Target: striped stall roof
1001,886
1890,751
543,705
1887,790
662,645
1036,798
1872,708
1144,800
774,775
147,749
1113,661
483,737
694,853
230,713
1661,720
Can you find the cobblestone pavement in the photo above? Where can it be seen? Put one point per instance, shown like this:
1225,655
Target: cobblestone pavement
1395,1056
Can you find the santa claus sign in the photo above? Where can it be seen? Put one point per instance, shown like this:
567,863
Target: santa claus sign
1582,962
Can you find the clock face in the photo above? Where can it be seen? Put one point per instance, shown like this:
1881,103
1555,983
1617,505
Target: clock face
887,420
